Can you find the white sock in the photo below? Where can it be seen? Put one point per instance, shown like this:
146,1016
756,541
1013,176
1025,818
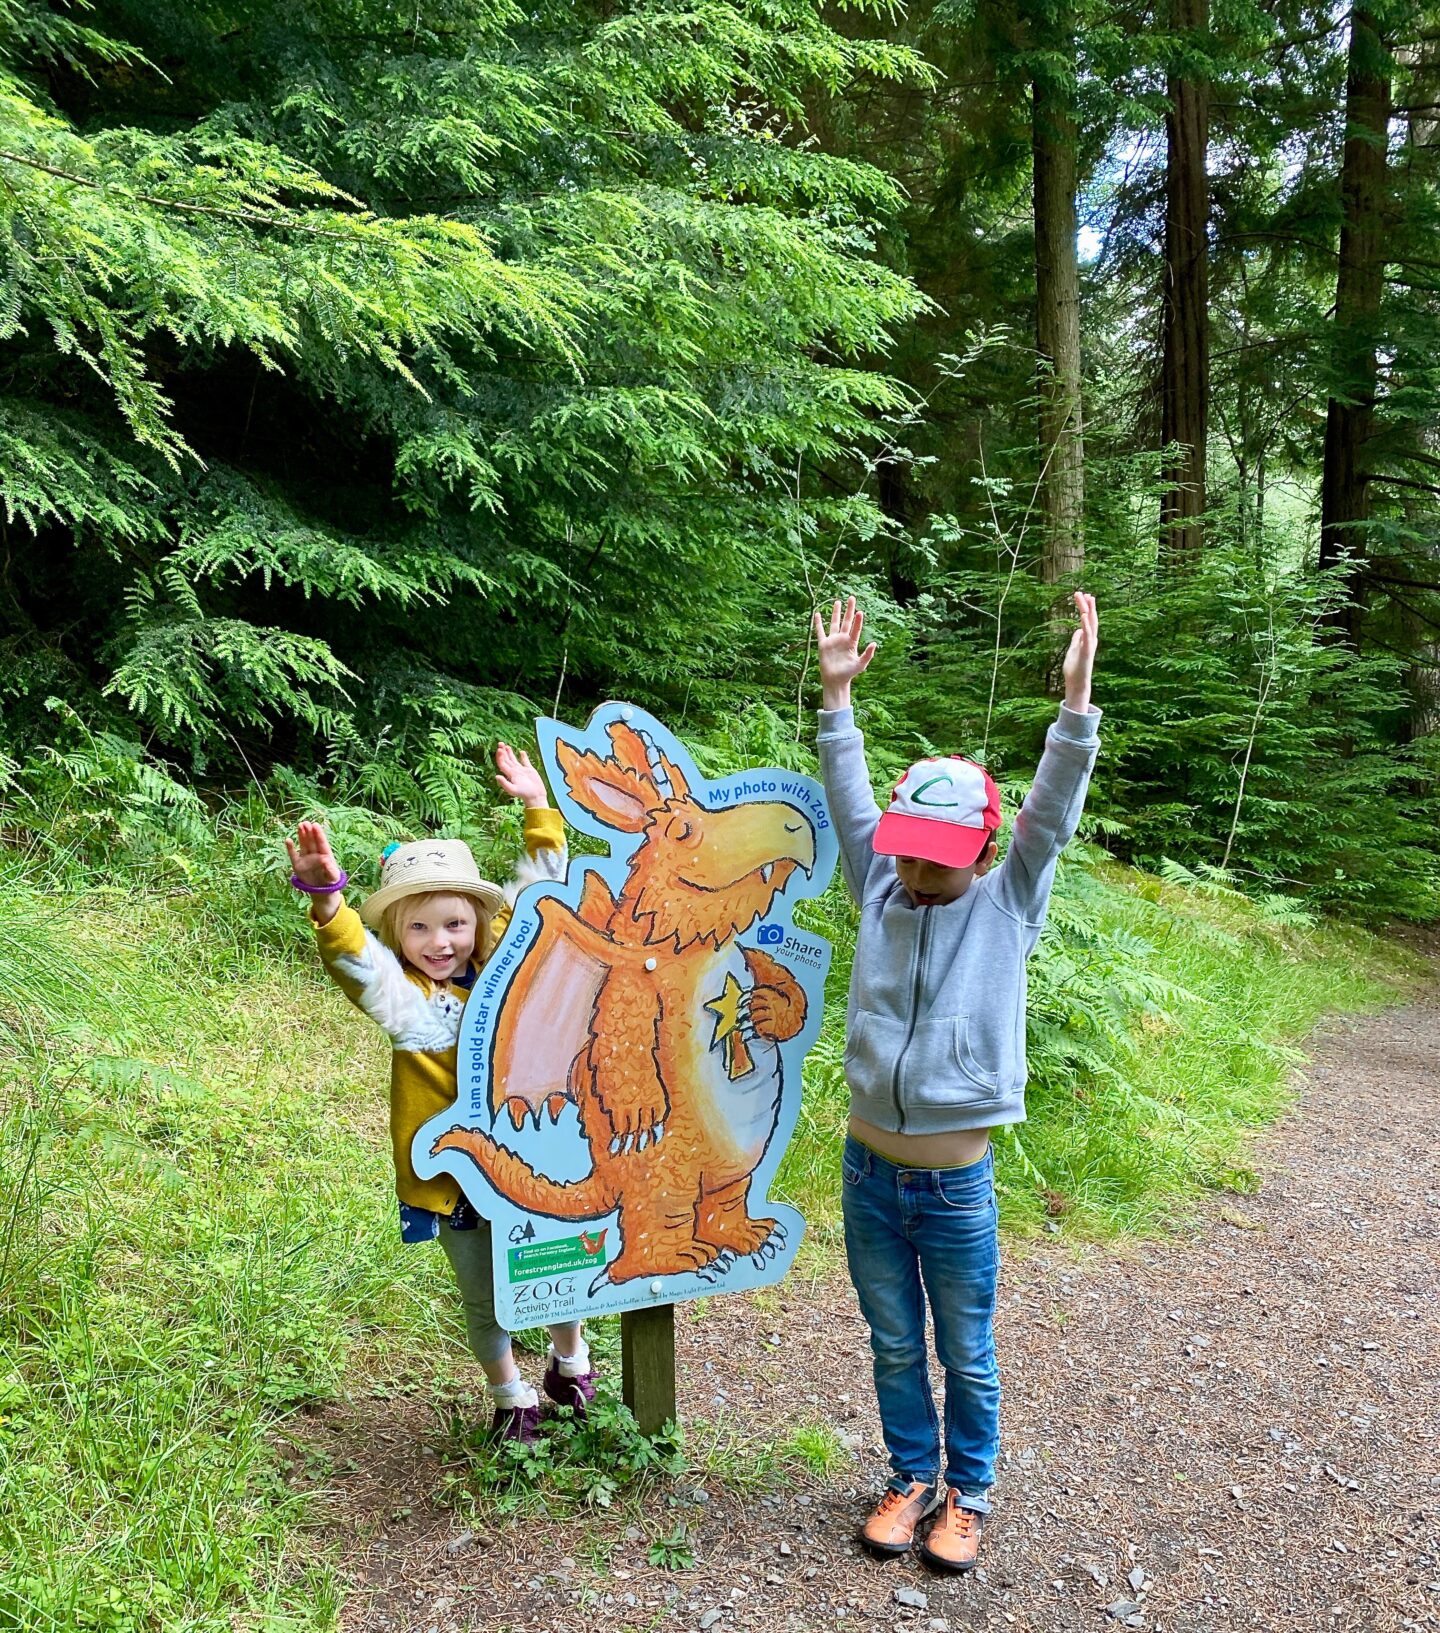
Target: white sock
515,1393
572,1366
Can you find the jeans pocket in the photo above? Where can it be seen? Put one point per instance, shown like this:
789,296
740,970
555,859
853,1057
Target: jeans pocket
966,1190
850,1172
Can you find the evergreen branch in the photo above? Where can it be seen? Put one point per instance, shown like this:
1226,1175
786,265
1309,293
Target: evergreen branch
226,212
1373,577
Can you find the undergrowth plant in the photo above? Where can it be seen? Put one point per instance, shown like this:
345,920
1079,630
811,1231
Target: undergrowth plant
575,1463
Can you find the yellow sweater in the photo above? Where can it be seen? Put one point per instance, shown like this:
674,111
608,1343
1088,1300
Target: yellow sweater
420,1017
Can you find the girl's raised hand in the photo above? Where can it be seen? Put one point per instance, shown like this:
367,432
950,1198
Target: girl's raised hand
518,778
1080,658
841,658
311,859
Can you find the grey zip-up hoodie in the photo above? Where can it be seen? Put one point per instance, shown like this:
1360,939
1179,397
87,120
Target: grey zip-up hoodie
935,1033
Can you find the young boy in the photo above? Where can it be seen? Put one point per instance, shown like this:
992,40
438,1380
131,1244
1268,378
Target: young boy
935,1058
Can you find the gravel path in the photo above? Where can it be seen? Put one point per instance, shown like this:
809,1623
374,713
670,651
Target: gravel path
1239,1428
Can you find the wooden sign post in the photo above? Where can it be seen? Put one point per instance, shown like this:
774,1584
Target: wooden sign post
647,1366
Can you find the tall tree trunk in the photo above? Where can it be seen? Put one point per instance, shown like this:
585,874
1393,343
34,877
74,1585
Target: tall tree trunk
1185,370
1057,315
1422,61
1349,420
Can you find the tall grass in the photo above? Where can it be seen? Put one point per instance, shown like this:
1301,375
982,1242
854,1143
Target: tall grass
196,1220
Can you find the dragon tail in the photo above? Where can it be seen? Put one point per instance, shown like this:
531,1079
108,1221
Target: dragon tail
514,1178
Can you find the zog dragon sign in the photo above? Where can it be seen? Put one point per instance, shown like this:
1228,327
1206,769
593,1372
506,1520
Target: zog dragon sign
629,1059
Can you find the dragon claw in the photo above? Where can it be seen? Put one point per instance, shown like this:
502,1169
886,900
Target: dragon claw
601,1280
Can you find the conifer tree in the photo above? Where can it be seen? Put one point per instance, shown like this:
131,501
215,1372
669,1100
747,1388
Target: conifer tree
1185,364
377,376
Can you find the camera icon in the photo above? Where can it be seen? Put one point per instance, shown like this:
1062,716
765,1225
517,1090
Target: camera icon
770,935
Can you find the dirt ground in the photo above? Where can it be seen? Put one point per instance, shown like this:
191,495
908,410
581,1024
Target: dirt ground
1238,1428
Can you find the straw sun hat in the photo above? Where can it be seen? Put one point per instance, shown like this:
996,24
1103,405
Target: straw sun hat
425,867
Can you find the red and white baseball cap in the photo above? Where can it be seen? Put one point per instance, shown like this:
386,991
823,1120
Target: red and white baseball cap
942,810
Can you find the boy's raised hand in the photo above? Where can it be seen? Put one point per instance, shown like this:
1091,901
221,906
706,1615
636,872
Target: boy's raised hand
841,659
518,778
1080,658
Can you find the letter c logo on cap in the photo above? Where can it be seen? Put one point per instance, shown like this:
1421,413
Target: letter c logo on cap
949,782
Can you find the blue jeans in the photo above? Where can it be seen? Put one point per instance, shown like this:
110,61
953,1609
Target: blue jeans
910,1232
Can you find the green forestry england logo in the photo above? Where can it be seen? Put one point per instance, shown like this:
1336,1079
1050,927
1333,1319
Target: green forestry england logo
557,1257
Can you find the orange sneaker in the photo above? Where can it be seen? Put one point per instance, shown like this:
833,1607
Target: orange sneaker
891,1528
954,1539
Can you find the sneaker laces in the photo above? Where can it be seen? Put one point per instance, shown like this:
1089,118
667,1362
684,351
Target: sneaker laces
892,1500
965,1520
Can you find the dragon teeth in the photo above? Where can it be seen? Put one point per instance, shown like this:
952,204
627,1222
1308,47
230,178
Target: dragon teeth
766,871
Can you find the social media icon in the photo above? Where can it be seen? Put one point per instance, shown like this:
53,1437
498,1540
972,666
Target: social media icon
770,935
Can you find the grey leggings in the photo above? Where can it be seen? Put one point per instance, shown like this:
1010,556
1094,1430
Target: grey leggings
469,1254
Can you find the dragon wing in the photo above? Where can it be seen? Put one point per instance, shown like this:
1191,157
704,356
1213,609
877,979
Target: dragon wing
544,1020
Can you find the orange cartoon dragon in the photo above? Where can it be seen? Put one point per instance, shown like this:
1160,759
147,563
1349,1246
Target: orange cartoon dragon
643,1009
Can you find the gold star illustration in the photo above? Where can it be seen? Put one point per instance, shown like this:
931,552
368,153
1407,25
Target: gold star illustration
726,1010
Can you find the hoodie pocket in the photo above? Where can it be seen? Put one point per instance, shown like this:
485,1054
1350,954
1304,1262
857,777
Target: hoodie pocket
873,1046
855,1038
966,1058
941,1070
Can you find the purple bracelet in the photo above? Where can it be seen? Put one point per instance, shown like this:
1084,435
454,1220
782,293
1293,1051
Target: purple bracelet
321,890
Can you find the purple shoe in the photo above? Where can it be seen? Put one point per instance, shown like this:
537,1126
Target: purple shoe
520,1423
576,1393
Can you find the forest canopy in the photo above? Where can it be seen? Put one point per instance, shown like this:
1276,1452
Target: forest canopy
378,378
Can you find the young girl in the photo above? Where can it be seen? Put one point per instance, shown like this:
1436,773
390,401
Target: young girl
434,922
